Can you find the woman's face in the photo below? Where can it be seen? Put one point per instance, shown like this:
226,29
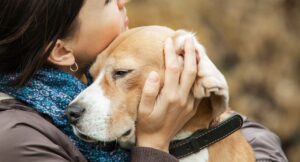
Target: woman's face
100,21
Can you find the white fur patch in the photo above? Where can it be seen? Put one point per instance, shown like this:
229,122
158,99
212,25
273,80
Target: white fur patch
201,156
95,121
182,135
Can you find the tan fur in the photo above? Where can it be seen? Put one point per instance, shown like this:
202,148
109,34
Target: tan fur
232,148
141,49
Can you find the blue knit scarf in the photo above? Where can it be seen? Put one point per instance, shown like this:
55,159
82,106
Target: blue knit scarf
50,91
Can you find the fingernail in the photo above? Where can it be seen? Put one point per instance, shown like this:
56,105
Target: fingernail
153,77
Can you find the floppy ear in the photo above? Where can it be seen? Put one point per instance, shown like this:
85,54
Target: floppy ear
210,82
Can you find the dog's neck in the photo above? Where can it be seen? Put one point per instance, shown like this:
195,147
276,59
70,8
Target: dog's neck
202,120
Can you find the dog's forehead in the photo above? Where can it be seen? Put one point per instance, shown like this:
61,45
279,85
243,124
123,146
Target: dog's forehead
145,44
142,43
140,39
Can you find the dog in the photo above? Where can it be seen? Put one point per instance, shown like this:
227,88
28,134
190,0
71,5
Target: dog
107,109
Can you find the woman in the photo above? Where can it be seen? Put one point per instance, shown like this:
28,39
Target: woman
46,47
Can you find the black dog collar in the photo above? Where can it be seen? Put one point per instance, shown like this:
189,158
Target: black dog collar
205,137
106,146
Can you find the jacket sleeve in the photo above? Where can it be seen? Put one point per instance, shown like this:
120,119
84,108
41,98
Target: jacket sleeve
22,143
25,136
266,145
145,154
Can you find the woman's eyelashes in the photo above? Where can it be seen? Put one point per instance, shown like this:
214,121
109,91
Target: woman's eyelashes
107,1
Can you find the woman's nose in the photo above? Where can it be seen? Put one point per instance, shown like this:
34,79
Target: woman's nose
121,3
74,112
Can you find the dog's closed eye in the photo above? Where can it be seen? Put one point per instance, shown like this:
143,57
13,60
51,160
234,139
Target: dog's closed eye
120,73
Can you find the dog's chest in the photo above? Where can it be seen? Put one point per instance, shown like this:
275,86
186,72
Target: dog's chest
201,156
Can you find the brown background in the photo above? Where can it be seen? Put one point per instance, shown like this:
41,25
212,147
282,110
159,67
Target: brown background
255,43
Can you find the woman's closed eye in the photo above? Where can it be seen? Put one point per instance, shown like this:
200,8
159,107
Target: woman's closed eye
107,1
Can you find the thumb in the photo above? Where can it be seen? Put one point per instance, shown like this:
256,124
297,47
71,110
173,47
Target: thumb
149,94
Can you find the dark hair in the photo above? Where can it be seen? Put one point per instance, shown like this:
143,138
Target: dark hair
29,30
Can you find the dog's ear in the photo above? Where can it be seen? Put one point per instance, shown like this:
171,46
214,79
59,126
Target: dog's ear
210,82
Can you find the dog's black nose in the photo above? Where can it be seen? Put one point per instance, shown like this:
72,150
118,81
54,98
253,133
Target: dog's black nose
74,112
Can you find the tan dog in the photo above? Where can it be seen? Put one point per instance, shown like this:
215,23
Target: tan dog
110,104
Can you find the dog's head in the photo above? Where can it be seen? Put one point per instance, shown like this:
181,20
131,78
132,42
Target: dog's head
108,108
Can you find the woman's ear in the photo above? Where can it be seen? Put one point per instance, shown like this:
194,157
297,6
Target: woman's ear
61,54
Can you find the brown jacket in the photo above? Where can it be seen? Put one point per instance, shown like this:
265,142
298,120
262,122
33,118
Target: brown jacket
26,136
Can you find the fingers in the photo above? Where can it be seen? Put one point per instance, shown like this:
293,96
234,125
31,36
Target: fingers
149,95
168,110
172,72
180,61
189,73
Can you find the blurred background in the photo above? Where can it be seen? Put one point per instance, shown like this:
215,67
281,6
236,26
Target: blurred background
255,43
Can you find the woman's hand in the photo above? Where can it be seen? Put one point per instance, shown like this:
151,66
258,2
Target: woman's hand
162,115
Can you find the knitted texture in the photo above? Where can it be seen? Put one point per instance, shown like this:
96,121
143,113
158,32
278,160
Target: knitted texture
49,92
